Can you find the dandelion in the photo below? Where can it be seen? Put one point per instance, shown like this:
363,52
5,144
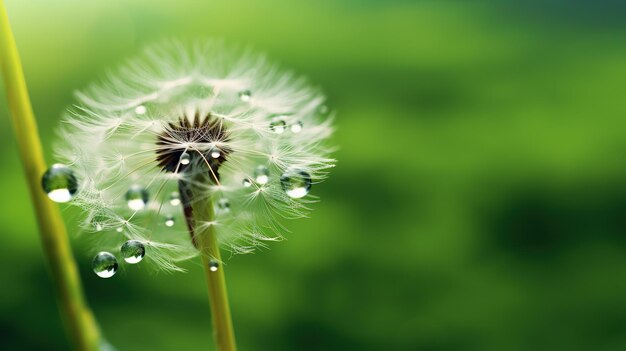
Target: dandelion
180,126
183,151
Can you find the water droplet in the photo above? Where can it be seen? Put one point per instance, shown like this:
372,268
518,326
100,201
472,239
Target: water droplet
137,197
133,251
140,110
245,95
223,205
246,183
97,221
278,125
104,265
119,229
323,110
214,266
185,158
261,175
296,183
169,221
174,199
59,183
216,153
296,127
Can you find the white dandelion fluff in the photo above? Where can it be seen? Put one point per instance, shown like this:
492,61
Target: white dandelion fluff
178,125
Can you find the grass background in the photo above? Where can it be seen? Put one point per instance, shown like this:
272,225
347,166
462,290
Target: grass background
478,202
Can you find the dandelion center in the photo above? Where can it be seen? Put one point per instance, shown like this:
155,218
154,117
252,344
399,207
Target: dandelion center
193,146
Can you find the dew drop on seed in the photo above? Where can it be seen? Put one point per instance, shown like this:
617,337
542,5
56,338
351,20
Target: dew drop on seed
169,221
174,199
137,197
60,183
216,153
214,266
140,110
133,251
185,158
261,175
296,183
246,183
323,110
104,265
245,95
296,127
223,205
119,229
278,125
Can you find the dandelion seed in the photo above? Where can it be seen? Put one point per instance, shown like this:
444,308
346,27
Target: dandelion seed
250,158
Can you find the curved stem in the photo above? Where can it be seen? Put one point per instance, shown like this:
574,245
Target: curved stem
206,239
79,321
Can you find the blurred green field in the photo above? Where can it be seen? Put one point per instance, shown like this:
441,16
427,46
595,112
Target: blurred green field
478,202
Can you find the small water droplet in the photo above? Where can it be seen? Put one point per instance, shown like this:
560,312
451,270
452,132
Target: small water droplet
133,251
60,183
296,183
278,125
185,158
323,110
223,206
119,229
137,197
98,227
261,175
214,266
140,110
216,153
174,198
296,127
169,221
104,264
245,95
246,183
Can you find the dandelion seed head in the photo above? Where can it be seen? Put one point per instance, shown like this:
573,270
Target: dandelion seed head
256,134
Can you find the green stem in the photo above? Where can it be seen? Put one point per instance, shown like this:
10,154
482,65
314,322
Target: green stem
223,332
79,321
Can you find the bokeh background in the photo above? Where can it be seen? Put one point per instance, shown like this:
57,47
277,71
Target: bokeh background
478,204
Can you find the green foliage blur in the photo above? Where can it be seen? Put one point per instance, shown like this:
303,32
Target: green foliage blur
478,204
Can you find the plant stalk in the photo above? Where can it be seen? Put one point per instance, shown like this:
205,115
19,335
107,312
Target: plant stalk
206,240
79,322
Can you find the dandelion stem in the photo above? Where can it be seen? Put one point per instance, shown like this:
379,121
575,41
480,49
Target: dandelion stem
79,321
204,233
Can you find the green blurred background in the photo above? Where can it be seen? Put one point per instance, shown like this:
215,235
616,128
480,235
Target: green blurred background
478,202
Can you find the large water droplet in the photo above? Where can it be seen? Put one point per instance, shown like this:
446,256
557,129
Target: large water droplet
137,197
245,95
296,183
174,198
278,125
169,221
296,127
104,264
261,175
60,183
214,265
185,158
133,251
